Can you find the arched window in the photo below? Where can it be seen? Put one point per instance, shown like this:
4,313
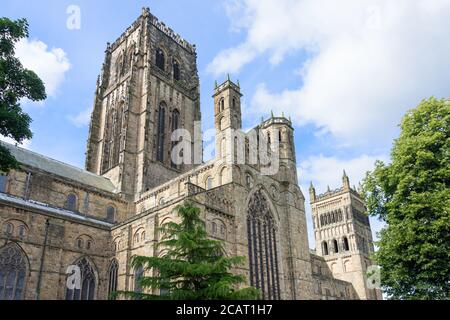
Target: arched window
209,183
234,103
214,228
21,231
262,247
8,228
336,246
143,236
88,283
71,202
161,130
176,71
222,105
88,245
79,243
160,59
113,277
325,248
136,238
111,214
249,181
175,120
138,274
13,271
346,246
280,136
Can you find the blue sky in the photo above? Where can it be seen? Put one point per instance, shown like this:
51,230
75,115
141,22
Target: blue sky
345,72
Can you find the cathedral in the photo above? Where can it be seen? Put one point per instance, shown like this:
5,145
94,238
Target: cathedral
54,216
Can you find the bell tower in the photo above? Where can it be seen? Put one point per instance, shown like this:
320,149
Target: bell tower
344,236
148,88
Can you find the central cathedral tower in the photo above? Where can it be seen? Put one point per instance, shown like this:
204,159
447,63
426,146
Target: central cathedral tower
148,88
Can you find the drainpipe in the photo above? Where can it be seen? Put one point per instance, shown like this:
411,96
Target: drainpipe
41,267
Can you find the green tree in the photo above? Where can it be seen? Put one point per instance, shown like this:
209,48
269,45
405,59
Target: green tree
16,83
412,195
193,266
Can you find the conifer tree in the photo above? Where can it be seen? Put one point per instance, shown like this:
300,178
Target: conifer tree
193,267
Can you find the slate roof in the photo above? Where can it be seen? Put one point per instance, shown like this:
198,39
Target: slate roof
64,170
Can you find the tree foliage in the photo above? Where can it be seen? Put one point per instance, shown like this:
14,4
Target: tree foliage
412,195
16,83
193,266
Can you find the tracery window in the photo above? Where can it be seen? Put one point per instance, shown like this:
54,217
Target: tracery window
262,248
138,274
113,276
13,270
88,283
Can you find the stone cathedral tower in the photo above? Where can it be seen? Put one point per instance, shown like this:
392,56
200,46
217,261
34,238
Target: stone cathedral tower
148,87
343,235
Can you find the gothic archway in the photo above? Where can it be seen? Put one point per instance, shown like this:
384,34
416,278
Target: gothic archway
262,247
13,272
88,283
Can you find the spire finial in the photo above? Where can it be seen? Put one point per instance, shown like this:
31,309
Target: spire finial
215,84
311,186
282,114
328,188
271,113
345,174
228,77
238,84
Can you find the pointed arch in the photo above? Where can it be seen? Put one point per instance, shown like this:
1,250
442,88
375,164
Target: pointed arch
113,272
14,270
88,281
262,246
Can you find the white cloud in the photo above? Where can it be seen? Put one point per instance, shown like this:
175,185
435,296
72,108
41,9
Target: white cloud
26,144
370,61
327,171
83,118
49,64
